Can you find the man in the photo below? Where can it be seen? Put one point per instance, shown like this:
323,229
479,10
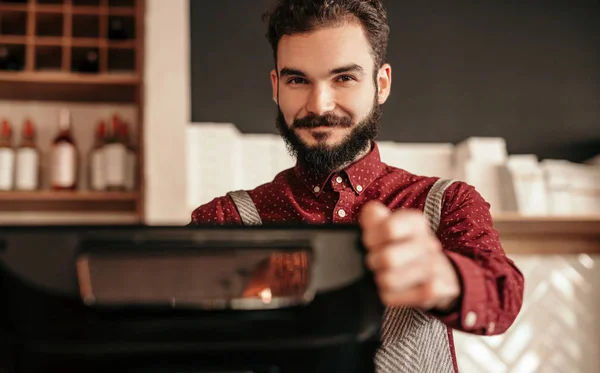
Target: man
329,82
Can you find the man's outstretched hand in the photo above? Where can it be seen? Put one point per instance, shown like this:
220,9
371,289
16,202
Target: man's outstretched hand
407,259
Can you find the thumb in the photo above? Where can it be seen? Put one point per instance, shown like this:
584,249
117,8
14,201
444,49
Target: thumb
372,215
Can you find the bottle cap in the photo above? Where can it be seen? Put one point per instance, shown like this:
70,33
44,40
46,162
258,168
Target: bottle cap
101,129
28,129
6,129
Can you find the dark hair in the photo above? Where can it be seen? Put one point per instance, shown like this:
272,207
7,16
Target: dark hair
290,17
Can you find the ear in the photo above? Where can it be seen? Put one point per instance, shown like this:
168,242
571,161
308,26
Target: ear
275,85
384,83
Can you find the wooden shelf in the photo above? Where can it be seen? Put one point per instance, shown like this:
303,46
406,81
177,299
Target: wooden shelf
54,42
71,78
549,235
79,196
80,201
47,41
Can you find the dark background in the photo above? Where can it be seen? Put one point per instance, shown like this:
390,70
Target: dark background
527,71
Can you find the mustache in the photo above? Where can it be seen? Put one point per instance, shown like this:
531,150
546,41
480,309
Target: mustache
326,120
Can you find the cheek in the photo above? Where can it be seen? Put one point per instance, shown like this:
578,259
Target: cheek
291,104
357,102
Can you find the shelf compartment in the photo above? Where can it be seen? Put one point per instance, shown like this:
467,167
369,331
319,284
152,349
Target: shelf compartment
121,60
49,24
85,60
86,3
120,28
13,22
85,26
61,2
121,3
48,58
12,58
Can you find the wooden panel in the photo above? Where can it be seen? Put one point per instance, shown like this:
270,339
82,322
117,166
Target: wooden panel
549,235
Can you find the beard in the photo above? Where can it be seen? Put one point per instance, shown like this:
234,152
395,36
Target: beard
323,159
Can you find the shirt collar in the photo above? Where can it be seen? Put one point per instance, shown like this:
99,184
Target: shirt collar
360,173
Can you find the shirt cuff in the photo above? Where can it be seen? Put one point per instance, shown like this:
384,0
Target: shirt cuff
470,313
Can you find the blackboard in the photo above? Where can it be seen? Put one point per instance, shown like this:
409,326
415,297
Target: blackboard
528,71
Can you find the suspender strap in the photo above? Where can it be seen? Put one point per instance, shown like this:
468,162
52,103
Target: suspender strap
433,203
412,341
246,208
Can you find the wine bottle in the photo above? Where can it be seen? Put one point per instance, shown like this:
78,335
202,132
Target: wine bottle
97,177
64,158
28,160
7,157
115,155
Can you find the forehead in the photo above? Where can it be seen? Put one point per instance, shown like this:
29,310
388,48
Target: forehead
324,49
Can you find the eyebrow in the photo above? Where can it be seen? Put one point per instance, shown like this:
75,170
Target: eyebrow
286,71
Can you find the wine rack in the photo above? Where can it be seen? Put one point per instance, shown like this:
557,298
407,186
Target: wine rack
74,50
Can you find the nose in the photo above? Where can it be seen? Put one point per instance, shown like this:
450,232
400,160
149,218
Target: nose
320,100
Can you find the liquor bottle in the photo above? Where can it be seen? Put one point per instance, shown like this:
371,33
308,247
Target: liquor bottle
7,157
97,177
115,154
63,157
130,159
28,160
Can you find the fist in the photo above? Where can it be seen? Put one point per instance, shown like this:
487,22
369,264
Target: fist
407,259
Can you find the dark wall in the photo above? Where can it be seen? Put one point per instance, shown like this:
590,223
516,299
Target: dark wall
523,70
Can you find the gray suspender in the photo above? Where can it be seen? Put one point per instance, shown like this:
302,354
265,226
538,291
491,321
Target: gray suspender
412,341
246,207
433,204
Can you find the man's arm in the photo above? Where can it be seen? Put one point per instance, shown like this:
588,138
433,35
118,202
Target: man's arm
492,286
219,211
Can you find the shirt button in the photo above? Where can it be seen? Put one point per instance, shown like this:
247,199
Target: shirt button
338,179
359,188
341,213
470,319
317,189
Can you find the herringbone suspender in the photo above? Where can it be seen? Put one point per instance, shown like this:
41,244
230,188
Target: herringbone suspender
412,341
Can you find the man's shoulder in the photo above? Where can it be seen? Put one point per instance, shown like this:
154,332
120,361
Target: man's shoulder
417,185
222,210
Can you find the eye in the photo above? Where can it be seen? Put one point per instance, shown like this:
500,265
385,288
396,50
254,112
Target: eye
345,78
296,80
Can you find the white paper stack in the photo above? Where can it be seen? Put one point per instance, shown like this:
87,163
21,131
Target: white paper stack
556,175
282,160
214,161
424,159
480,162
584,189
257,159
523,189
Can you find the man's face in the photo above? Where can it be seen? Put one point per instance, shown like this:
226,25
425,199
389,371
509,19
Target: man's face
328,93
